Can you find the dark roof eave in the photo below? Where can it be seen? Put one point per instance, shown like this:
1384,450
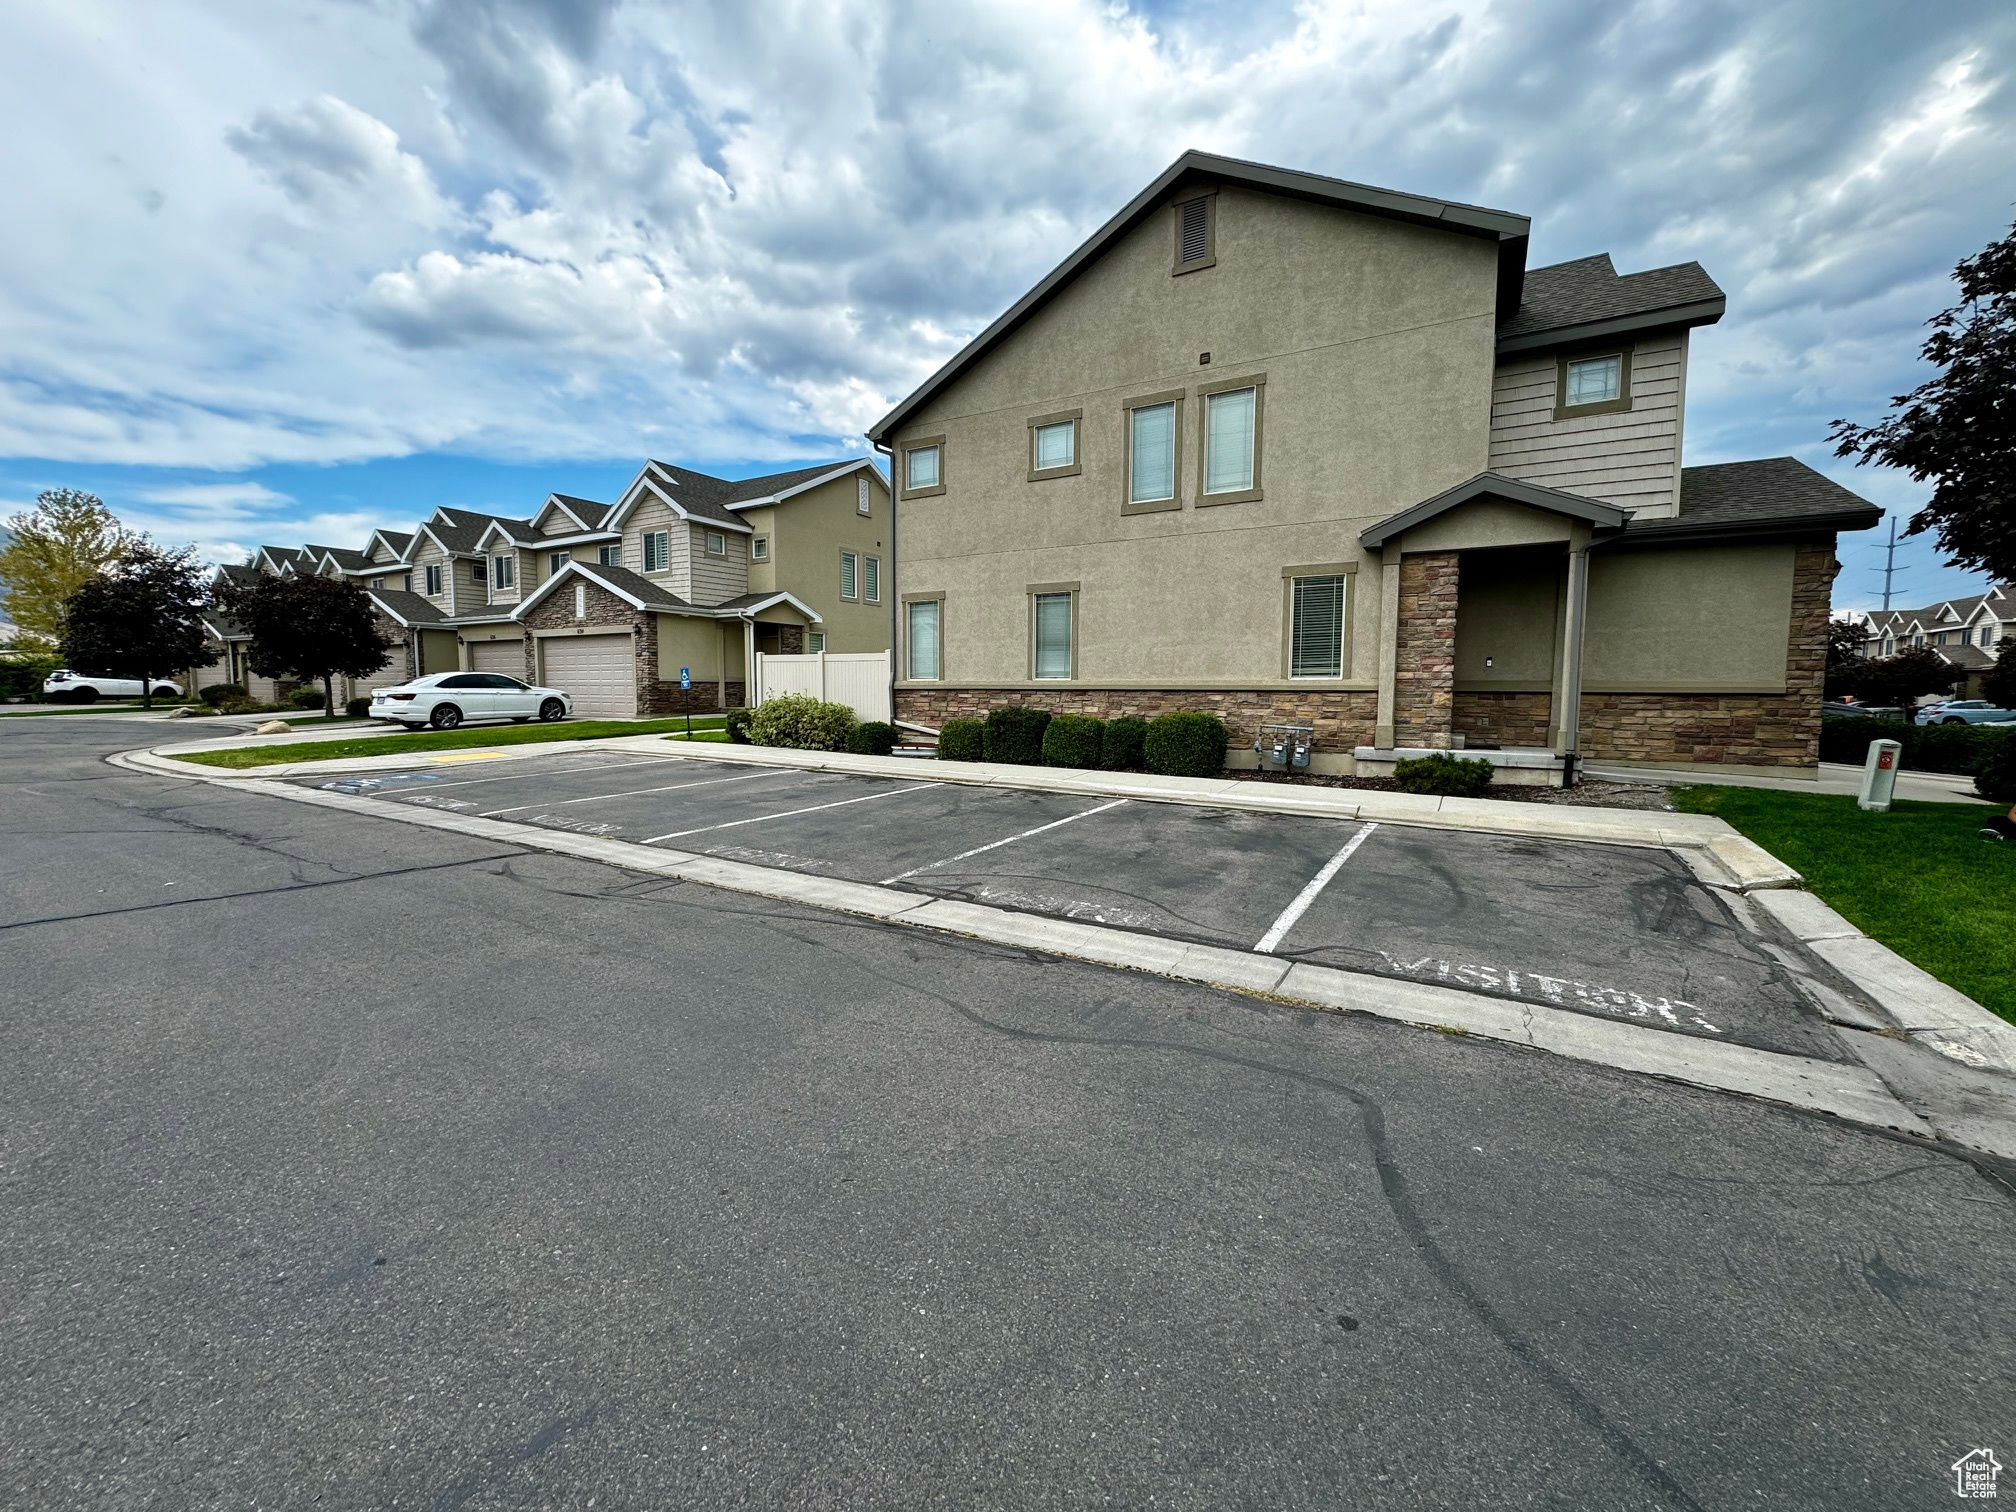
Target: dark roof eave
1782,525
1510,231
1594,512
1700,312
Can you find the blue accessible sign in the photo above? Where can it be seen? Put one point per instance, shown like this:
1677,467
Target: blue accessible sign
686,678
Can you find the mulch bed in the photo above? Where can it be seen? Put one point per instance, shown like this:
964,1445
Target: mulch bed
1627,795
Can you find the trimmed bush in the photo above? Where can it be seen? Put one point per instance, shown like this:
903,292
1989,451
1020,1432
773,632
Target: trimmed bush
1015,735
357,708
1995,778
738,725
872,738
307,696
1957,750
1185,745
1443,775
23,676
800,722
961,740
1073,740
223,693
1120,744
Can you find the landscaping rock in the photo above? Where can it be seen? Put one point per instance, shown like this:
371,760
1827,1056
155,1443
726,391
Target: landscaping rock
274,727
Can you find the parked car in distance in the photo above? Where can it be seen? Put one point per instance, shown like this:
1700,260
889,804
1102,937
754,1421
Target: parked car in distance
447,699
1832,710
1964,711
86,687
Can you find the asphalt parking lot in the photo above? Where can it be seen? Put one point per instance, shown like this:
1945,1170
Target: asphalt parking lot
1615,931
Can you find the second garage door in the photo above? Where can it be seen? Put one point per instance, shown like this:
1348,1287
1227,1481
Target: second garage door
506,656
598,671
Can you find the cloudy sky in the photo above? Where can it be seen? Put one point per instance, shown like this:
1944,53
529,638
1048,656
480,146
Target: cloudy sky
286,269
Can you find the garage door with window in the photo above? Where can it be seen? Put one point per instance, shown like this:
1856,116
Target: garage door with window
598,671
506,656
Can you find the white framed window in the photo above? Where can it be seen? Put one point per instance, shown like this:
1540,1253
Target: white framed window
503,571
433,571
657,550
1052,649
759,549
717,544
406,581
555,560
1316,626
379,582
1229,433
924,468
1151,453
850,567
871,580
1987,635
815,641
862,503
610,556
1593,382
478,573
925,618
1056,445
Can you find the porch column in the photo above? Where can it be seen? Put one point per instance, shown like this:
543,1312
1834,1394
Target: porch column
1567,701
752,695
1389,644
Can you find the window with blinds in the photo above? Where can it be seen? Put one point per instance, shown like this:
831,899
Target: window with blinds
1316,631
657,551
1056,445
609,556
1228,441
1053,635
1194,242
925,623
922,468
871,579
849,575
1151,453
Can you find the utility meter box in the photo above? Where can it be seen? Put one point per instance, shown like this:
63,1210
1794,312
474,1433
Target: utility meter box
1879,775
1284,745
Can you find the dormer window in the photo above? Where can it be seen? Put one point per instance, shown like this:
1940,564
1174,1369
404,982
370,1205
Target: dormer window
1597,384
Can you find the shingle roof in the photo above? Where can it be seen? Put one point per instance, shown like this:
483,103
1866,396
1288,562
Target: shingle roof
635,584
398,540
463,528
587,511
1769,492
1972,658
410,607
1888,621
242,572
344,556
1590,291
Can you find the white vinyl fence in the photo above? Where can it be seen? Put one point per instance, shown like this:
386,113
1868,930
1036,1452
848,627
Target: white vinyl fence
858,679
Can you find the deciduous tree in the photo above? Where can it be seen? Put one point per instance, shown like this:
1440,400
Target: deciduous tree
2000,685
311,628
142,617
55,548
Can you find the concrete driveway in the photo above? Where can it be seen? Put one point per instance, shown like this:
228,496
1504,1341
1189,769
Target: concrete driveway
1615,931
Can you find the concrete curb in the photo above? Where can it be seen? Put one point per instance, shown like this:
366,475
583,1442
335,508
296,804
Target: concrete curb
1719,855
1851,1092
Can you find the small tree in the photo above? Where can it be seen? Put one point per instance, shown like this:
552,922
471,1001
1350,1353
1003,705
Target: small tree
57,547
312,628
1903,679
1847,667
141,617
2000,686
1958,430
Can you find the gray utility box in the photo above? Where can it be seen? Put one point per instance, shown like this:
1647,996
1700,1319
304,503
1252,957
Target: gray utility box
1285,745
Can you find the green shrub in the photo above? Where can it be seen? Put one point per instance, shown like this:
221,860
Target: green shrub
800,722
961,740
23,676
1120,743
1185,745
307,696
358,708
223,693
1957,750
872,738
1995,777
738,725
1443,775
1073,740
1015,735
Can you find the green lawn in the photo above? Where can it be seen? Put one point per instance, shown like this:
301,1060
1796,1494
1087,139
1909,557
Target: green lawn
101,708
483,735
1918,878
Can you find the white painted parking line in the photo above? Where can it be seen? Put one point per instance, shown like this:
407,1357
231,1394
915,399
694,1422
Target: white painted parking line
789,813
600,766
670,787
997,844
1309,894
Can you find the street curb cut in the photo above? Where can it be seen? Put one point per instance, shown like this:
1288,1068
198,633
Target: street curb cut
1850,1092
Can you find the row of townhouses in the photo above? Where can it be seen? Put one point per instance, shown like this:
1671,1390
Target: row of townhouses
611,600
1290,449
1966,632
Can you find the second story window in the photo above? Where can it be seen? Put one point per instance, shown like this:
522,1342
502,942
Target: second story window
717,544
503,571
924,467
657,550
850,580
477,575
871,580
1053,446
406,581
1231,445
1151,453
433,571
555,560
610,556
1595,385
759,549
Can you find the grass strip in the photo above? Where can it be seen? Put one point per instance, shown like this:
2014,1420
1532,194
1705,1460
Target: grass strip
1919,878
239,758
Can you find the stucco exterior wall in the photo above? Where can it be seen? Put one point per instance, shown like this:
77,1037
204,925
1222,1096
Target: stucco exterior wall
1375,340
807,534
1629,457
1509,615
1707,619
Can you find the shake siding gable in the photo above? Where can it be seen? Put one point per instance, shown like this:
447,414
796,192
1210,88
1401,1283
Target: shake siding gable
717,579
1629,458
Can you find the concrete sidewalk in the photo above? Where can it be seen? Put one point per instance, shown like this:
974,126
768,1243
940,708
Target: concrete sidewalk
1834,777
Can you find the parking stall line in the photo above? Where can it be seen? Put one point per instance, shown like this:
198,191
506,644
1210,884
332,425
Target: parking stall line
997,844
790,813
672,787
1279,931
600,766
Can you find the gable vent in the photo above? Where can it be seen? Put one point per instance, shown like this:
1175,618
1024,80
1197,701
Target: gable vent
1194,239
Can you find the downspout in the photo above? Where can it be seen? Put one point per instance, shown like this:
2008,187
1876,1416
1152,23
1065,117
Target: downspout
896,580
1571,675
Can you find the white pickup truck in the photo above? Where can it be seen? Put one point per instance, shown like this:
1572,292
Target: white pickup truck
83,687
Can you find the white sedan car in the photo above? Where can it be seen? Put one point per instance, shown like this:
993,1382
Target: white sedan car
83,687
447,699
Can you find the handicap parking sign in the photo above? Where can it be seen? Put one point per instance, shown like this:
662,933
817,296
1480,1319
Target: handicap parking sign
686,678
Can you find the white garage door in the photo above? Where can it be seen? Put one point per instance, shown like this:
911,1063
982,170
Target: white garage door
598,671
507,656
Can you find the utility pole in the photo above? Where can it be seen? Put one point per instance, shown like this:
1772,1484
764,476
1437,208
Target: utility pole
1890,562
